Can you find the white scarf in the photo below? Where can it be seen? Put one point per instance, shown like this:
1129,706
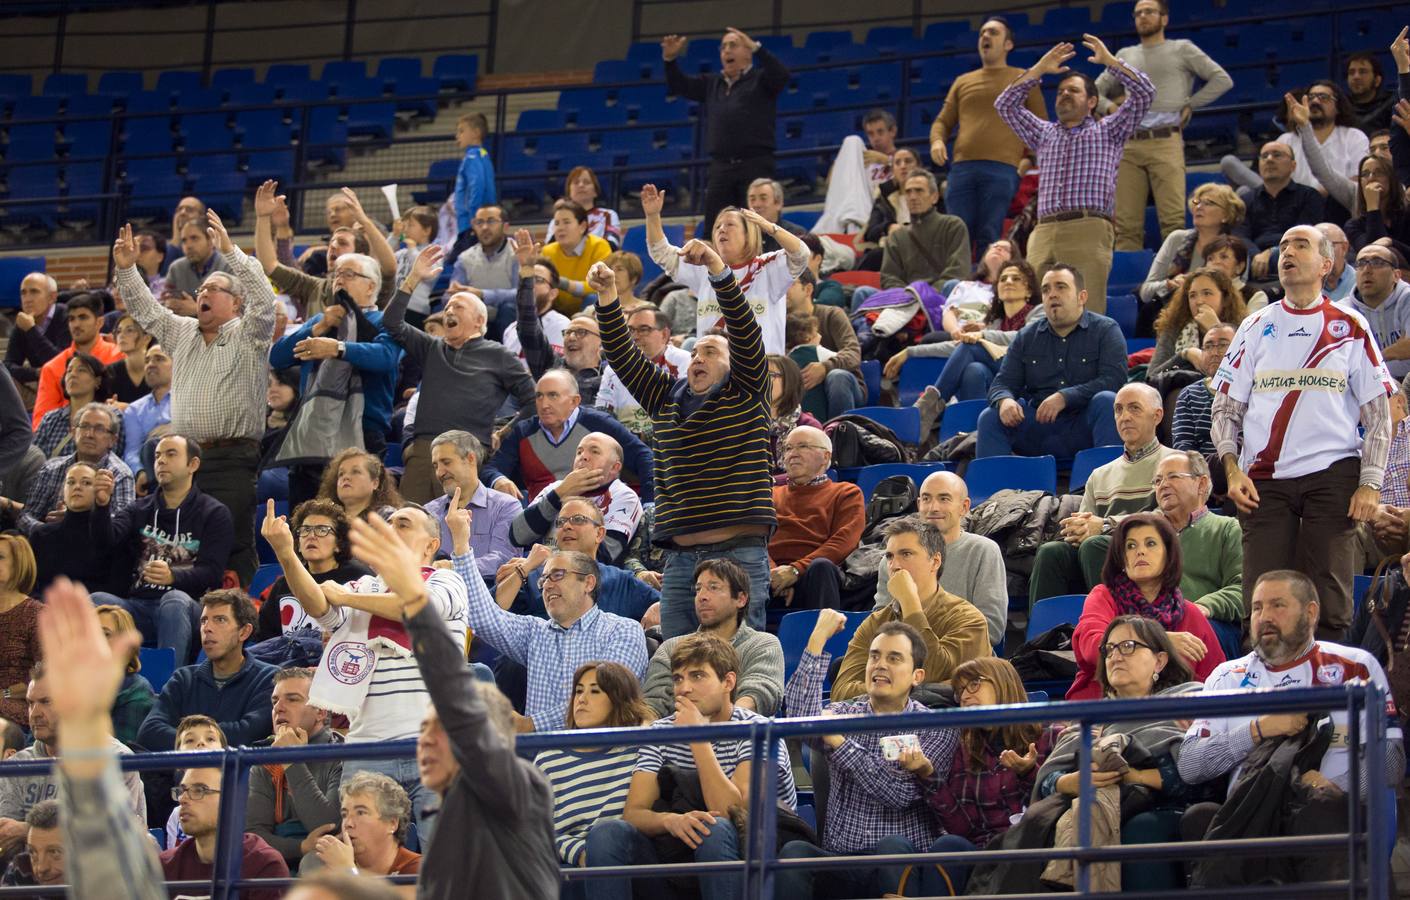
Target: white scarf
350,657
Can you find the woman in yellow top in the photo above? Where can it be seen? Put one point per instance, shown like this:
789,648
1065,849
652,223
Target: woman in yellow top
573,251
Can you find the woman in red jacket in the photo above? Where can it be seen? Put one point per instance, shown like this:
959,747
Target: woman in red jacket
1141,577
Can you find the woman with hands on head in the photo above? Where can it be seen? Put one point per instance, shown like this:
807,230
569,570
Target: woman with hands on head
736,240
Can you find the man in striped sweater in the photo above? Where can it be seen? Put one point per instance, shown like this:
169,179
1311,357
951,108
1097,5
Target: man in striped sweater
714,495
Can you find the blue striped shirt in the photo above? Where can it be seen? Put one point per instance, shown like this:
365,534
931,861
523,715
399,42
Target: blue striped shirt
728,753
589,786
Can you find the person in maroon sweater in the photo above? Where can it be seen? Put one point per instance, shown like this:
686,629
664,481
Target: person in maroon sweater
198,798
819,522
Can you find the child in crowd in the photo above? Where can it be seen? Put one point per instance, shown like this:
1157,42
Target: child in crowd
805,347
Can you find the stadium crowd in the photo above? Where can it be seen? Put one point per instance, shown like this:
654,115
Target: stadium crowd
608,495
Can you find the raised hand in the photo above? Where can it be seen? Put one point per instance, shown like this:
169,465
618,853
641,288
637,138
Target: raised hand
652,200
102,487
524,249
375,543
1052,62
750,216
749,43
1401,116
428,264
125,248
267,203
830,622
1400,49
672,46
458,521
275,530
698,253
538,555
603,281
83,687
351,196
1100,54
216,230
1298,113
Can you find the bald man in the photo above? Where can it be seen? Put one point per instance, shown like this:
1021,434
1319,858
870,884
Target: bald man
597,467
1341,280
1114,491
820,521
974,564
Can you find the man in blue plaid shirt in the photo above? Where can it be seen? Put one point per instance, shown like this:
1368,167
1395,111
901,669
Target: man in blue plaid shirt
873,805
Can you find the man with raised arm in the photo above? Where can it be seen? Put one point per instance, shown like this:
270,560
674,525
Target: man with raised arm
714,494
219,373
496,808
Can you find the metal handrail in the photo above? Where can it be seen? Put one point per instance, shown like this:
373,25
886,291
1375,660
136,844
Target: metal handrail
759,862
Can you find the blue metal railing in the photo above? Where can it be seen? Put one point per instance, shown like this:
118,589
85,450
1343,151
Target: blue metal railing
1369,863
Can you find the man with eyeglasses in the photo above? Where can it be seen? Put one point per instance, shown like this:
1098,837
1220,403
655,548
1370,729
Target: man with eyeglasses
820,521
597,467
95,435
650,330
1277,205
1189,428
490,268
198,803
1154,158
1334,126
1383,300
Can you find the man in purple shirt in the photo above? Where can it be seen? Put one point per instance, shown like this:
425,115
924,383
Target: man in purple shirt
1078,158
457,457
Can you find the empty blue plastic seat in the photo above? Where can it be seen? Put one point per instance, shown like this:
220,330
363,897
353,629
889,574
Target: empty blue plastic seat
177,81
211,164
119,84
91,137
30,108
1068,23
222,191
14,85
904,421
81,181
327,137
573,100
1050,612
197,99
440,180
376,120
601,116
145,103
225,79
287,73
456,71
990,474
1122,309
961,417
30,143
341,70
305,92
608,71
944,35
1088,461
395,69
65,84
418,96
634,241
540,120
1128,269
253,94
821,39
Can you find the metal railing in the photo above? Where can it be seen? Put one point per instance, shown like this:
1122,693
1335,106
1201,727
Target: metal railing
1368,873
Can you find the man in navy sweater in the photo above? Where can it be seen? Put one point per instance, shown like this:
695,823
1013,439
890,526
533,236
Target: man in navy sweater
230,687
168,548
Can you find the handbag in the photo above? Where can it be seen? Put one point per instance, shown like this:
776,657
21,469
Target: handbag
1385,605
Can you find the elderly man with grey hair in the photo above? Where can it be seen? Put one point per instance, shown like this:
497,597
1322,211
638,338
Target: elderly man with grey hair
1299,380
41,328
338,350
934,247
765,197
456,458
820,521
1341,280
1114,491
376,813
595,477
95,435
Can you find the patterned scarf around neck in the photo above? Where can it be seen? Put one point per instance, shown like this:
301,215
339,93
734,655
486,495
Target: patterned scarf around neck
1168,608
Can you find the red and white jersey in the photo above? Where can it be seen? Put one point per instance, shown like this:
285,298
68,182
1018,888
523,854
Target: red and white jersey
1304,374
619,504
613,396
552,322
1325,665
764,281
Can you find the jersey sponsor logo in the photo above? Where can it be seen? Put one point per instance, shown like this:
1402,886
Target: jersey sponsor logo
1279,380
1270,330
1301,332
1338,328
1287,680
1331,673
350,662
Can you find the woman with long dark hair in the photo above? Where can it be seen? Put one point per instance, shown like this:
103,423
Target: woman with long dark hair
85,381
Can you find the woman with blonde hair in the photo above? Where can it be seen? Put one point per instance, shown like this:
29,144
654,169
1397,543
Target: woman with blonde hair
1215,210
19,619
359,482
135,695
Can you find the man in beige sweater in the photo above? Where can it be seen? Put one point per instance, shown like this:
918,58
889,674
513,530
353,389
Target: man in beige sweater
987,154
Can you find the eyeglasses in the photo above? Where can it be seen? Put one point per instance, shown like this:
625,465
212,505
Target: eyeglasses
315,530
350,273
1125,648
1373,262
195,791
777,376
1204,204
973,684
100,429
558,575
578,521
479,223
1159,480
789,448
540,280
579,332
1321,95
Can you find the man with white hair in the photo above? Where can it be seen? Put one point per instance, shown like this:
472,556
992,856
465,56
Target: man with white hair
1338,283
465,377
765,197
219,372
595,477
820,521
337,350
1304,373
41,328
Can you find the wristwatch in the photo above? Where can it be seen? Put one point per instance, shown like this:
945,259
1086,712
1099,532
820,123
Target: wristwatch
342,349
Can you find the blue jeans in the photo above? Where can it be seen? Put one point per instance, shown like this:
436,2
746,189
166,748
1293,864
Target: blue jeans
844,392
1071,431
979,192
967,373
838,884
173,618
405,773
678,581
935,879
617,843
860,294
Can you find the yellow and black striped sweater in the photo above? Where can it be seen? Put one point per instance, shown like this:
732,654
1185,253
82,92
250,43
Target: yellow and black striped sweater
712,466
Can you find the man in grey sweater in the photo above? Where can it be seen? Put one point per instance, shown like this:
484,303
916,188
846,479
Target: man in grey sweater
497,806
1154,158
974,564
933,248
721,598
465,377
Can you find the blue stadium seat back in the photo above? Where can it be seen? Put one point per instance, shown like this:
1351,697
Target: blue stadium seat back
918,373
634,98
158,665
262,127
264,578
919,119
888,39
41,107
119,84
144,170
418,96
202,137
844,53
795,628
644,51
1024,30
660,112
871,376
818,40
624,142
1128,269
88,105
327,137
263,165
540,120
934,74
232,77
1360,584
961,417
634,240
457,71
37,183
797,102
601,116
179,81
952,33
828,128
340,70
80,181
1067,24
143,104
778,43
305,92
29,143
12,270
356,88
904,421
1214,126
868,477
667,178
92,137
287,73
565,145
198,100
65,84
1299,75
1136,345
1036,696
392,456
990,474
1116,18
156,195
440,181
803,218
376,120
1122,308
1088,461
575,100
199,167
14,85
608,71
393,70
1053,611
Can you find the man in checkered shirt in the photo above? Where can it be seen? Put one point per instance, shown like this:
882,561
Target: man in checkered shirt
219,361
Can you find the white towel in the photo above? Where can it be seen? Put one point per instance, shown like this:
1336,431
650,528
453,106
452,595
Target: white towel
849,192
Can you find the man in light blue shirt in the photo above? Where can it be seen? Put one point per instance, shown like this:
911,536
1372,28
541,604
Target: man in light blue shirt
145,414
456,458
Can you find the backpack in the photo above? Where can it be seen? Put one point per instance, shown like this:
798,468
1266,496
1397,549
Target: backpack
858,441
1382,628
894,496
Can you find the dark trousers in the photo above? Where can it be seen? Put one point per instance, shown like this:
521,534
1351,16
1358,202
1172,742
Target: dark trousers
1060,568
727,183
1301,524
819,587
228,474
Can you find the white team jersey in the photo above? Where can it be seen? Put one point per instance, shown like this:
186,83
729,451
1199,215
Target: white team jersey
1325,665
764,281
619,504
613,396
552,322
1304,374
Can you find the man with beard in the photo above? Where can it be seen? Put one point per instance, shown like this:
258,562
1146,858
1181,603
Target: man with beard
1334,125
536,334
490,269
1154,159
1284,612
